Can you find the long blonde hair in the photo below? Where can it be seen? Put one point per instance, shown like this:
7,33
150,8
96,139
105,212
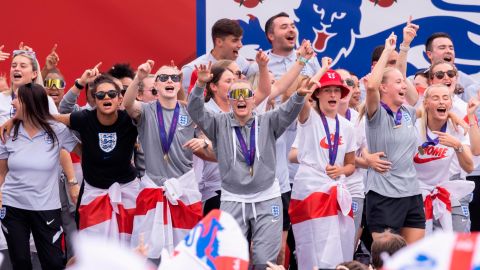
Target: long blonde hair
424,113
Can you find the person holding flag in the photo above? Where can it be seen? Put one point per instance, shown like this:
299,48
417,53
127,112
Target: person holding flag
320,207
244,144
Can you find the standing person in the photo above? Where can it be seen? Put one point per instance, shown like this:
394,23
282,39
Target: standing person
111,186
320,208
244,144
393,199
438,145
169,204
30,196
227,41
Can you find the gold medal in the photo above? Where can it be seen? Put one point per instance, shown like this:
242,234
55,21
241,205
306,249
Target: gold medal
421,151
165,157
251,171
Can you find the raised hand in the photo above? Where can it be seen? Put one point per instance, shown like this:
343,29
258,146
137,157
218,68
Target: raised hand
52,59
305,50
308,88
3,55
472,106
326,63
447,139
409,32
24,47
90,74
391,42
203,73
261,58
145,69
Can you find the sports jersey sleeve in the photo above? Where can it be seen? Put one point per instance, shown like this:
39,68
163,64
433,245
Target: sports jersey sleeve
286,113
206,120
376,118
67,140
141,120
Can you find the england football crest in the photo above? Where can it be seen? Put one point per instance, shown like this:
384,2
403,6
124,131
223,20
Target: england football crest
275,212
107,141
183,120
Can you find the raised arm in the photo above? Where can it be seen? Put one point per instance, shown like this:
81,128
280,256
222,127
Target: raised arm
204,118
68,101
134,107
409,33
286,113
372,100
264,85
305,54
51,62
305,112
474,131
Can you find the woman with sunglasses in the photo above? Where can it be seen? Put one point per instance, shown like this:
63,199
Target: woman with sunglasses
445,73
111,186
167,135
146,89
30,194
439,144
244,146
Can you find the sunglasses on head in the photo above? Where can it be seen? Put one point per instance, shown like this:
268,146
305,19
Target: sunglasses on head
242,92
102,95
164,77
441,74
153,90
57,83
30,54
350,82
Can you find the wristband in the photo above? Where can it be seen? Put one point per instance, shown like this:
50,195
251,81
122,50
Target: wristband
303,60
78,85
404,48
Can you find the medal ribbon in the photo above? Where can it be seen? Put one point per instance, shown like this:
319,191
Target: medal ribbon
398,118
348,114
434,141
166,142
248,154
332,148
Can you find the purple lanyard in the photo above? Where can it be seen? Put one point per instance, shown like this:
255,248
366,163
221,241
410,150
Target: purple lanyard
332,148
166,142
348,114
435,141
249,155
398,118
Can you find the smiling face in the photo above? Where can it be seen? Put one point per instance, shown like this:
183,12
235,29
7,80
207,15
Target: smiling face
18,106
393,87
220,89
55,93
442,50
283,35
437,102
347,82
168,88
228,47
21,71
108,105
445,68
243,107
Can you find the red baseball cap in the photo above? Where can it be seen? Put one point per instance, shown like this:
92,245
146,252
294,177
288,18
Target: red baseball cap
332,78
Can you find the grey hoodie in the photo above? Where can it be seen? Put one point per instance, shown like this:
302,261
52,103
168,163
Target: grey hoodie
219,128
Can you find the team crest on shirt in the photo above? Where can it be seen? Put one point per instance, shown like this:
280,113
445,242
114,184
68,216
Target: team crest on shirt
183,120
107,141
407,117
275,212
3,212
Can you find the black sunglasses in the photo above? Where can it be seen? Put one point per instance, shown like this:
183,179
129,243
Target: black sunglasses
350,82
164,77
110,93
441,74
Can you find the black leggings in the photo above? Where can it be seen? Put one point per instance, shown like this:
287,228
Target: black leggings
47,233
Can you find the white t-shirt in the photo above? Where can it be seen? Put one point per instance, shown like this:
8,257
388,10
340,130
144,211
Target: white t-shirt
355,182
434,164
313,154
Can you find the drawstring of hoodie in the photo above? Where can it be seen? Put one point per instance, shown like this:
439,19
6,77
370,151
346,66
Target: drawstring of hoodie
254,211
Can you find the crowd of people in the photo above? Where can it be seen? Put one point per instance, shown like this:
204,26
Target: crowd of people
313,163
